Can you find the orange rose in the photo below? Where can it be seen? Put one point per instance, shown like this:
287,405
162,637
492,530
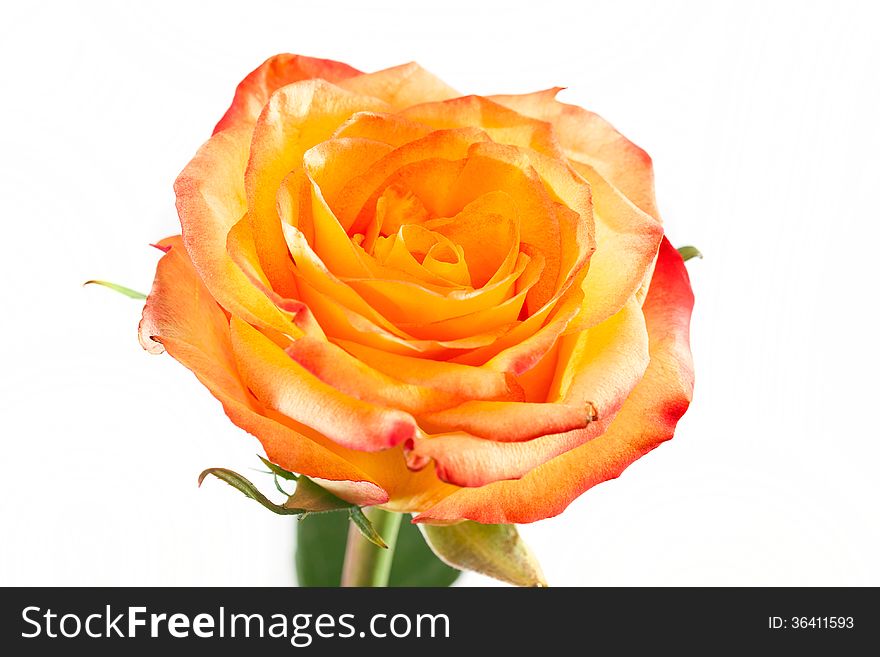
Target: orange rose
456,306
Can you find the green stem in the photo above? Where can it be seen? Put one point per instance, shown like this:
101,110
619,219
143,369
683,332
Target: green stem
367,564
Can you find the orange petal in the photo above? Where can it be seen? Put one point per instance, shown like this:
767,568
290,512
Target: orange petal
400,301
588,138
329,239
627,241
494,168
488,230
524,345
282,384
401,86
536,147
337,368
331,243
423,254
391,129
447,260
503,124
240,245
506,422
536,381
474,382
313,274
356,202
407,491
342,323
181,316
296,118
210,200
332,163
572,213
647,419
496,319
601,368
253,92
339,254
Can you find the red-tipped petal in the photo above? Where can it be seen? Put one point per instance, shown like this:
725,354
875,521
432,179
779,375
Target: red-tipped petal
181,316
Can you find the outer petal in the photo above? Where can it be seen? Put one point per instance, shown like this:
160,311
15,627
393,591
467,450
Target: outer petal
647,419
587,137
627,242
401,86
619,174
210,200
181,316
507,422
253,92
602,366
285,386
504,125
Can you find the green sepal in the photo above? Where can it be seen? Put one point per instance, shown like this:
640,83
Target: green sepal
315,499
365,527
127,291
241,484
308,497
688,252
278,470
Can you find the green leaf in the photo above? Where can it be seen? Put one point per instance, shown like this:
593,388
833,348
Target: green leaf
277,469
320,552
240,483
688,252
493,550
127,291
315,499
320,549
365,526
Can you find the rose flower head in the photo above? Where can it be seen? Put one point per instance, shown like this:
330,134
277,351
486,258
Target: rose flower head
460,307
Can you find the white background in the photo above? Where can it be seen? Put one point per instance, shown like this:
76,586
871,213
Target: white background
762,119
